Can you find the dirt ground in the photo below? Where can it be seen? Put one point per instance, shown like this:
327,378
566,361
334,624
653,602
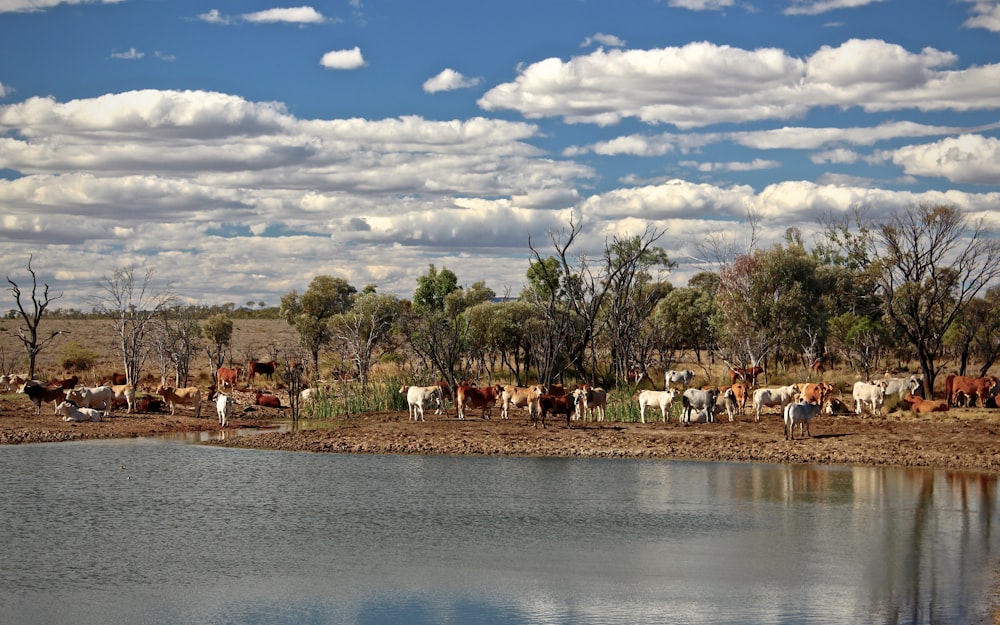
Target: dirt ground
963,439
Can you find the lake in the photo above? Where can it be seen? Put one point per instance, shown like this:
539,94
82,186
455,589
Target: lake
162,531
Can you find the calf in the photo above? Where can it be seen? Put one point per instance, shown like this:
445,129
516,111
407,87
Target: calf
71,412
39,394
588,399
556,404
872,394
799,413
661,399
224,407
419,397
187,396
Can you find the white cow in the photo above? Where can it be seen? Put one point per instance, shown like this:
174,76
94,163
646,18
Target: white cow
589,399
678,377
419,397
872,394
902,386
97,397
71,412
730,402
799,413
224,406
770,397
694,400
661,399
521,397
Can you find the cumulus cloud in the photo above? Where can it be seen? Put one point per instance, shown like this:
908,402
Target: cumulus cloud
449,80
603,40
343,59
129,55
702,5
985,14
294,15
967,158
15,6
703,83
815,7
755,164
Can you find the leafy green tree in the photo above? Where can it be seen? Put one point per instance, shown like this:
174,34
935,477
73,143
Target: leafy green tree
930,261
366,328
218,332
859,340
311,312
432,288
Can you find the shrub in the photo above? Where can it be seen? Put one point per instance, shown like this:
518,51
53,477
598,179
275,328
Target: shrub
76,357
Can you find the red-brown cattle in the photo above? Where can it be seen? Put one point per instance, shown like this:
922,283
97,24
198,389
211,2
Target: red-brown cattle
226,376
39,394
748,374
921,405
187,396
262,368
65,383
474,397
268,401
556,404
981,388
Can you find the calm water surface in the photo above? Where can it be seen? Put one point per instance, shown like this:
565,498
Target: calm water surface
153,531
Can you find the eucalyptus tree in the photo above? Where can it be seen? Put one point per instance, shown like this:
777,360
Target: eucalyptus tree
434,327
133,304
218,333
366,328
311,312
681,320
176,338
32,316
930,261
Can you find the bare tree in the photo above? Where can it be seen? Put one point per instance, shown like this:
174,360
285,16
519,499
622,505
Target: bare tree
133,304
33,318
176,338
367,326
930,262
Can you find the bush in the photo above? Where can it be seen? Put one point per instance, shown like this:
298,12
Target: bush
76,357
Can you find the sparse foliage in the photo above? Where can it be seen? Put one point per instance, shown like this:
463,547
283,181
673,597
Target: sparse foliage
32,317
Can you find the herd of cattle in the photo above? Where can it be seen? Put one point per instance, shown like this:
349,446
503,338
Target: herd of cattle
798,403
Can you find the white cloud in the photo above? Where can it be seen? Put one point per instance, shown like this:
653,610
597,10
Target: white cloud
604,40
5,90
295,15
702,5
840,156
755,164
130,55
815,7
15,6
703,83
449,80
214,17
964,159
343,59
985,14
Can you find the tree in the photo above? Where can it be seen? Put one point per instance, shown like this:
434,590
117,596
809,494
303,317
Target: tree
310,314
218,332
176,340
432,288
930,262
133,304
366,327
33,318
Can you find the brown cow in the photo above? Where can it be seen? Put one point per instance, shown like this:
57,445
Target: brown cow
556,404
263,368
749,374
228,376
65,383
921,405
188,396
814,393
981,388
268,401
39,394
475,397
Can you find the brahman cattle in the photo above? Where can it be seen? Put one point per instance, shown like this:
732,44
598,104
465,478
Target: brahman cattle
920,405
71,412
224,407
266,400
418,398
678,377
869,394
660,399
556,404
520,397
799,413
124,394
771,397
588,399
474,397
262,368
902,386
695,400
96,397
729,402
225,376
814,393
39,394
187,396
980,388
747,374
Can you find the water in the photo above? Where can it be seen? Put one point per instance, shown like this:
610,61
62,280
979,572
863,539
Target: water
158,531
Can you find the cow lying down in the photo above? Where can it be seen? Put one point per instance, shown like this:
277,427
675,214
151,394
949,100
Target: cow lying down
71,412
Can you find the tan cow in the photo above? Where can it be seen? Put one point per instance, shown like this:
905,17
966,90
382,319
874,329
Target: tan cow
188,396
520,397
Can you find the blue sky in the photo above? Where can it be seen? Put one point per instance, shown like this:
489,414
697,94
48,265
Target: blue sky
239,149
